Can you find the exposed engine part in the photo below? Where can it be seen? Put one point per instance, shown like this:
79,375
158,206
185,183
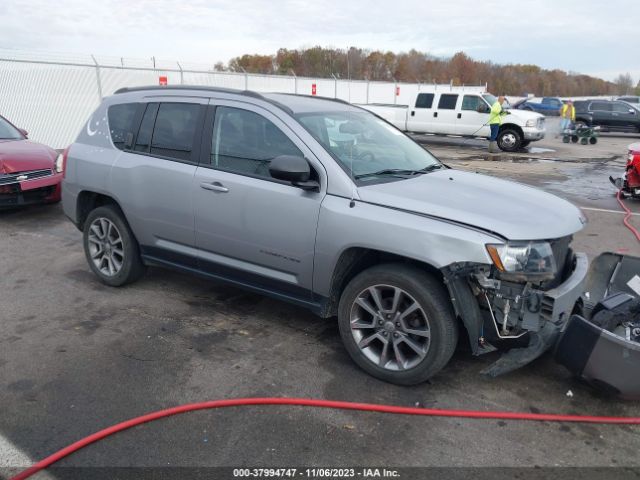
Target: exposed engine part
505,333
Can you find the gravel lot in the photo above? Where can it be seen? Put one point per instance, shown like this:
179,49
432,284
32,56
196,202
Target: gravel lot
76,356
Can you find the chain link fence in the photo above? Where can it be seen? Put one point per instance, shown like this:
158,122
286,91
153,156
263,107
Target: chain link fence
52,95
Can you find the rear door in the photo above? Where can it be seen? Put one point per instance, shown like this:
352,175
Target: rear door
602,113
445,116
251,228
152,177
473,116
420,116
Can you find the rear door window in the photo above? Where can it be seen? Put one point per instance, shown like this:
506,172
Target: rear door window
447,102
121,119
424,100
245,142
174,130
601,106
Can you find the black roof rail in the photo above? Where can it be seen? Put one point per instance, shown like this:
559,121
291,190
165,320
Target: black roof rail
247,93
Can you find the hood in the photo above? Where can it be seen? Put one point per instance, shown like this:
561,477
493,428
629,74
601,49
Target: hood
512,210
24,155
523,115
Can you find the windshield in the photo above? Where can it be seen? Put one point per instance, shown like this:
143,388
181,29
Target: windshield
489,98
366,146
492,99
8,131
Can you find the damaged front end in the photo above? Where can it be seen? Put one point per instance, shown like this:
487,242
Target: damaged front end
520,303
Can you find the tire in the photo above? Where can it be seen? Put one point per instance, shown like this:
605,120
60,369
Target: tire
574,139
565,139
402,364
593,140
584,141
509,140
104,229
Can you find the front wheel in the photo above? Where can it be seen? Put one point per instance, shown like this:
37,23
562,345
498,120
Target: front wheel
110,247
509,140
397,324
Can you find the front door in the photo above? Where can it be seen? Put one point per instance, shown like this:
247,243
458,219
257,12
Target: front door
251,228
473,117
624,116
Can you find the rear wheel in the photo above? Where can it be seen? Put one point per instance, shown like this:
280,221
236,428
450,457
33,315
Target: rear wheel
110,247
509,140
593,140
397,324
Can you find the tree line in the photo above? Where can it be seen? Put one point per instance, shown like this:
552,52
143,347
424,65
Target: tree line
421,67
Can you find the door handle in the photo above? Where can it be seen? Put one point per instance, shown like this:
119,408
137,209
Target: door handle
459,115
214,187
435,114
413,113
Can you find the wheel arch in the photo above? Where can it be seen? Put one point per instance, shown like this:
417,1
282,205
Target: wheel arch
354,260
88,200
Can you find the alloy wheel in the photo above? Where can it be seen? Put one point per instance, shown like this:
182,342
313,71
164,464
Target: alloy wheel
390,327
105,246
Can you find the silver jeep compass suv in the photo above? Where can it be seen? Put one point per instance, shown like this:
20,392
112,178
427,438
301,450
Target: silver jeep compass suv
323,204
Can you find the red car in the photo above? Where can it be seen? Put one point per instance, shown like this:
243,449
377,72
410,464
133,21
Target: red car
29,172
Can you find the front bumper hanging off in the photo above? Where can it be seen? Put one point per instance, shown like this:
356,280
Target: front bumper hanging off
603,358
557,306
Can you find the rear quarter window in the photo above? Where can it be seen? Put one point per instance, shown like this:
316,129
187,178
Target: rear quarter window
121,119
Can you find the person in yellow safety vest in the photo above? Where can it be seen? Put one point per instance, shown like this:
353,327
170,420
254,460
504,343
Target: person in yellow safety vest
495,120
567,115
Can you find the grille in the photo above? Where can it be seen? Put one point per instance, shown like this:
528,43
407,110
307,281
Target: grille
13,177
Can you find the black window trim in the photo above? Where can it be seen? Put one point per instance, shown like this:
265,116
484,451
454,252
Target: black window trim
207,145
198,132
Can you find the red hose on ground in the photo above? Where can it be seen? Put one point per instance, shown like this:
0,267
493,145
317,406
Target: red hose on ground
626,221
307,402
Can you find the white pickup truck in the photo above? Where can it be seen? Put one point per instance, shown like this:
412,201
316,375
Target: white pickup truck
462,114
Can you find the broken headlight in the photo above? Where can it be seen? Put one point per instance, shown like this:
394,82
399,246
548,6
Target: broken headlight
529,259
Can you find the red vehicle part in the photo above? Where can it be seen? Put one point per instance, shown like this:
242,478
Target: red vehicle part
28,172
633,168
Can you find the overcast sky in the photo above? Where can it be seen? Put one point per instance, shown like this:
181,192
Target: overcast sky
587,36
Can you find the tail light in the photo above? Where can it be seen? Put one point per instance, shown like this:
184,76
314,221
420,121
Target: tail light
61,162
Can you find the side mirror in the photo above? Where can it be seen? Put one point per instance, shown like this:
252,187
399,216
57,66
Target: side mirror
631,110
482,108
293,169
23,132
